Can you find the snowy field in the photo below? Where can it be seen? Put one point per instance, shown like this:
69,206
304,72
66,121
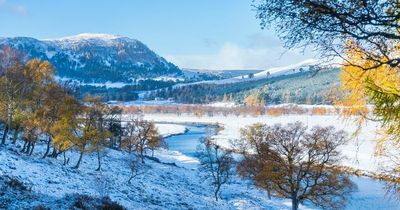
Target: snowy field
359,151
162,186
175,182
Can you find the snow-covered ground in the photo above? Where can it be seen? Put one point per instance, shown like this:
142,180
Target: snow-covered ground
222,104
359,150
110,84
142,102
162,186
176,182
170,129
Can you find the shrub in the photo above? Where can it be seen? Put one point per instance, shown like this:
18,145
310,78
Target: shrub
319,111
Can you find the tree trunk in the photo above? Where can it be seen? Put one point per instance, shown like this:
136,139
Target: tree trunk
3,140
130,179
269,193
112,142
33,147
66,160
216,192
79,161
98,160
119,141
28,148
24,147
48,147
295,204
54,153
142,155
15,135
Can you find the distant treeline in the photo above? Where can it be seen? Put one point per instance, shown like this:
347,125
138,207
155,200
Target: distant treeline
202,110
126,93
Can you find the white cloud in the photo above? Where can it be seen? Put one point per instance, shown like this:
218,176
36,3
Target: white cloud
8,6
20,9
233,56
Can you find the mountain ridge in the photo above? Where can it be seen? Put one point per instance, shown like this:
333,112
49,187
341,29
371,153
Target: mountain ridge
95,57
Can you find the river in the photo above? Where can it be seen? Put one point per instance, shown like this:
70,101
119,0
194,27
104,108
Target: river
370,195
187,143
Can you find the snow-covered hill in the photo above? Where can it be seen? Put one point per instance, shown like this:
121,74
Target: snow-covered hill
95,57
303,66
173,183
306,65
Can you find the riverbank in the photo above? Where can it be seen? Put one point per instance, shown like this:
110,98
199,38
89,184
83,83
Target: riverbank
359,151
161,186
170,129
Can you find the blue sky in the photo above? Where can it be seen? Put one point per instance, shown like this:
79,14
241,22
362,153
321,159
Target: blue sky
212,34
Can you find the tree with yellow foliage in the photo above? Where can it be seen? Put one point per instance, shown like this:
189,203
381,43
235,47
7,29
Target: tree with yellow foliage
141,135
98,110
379,87
23,85
11,86
254,100
88,132
65,130
53,98
37,76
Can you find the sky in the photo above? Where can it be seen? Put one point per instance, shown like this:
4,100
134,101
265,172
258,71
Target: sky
206,34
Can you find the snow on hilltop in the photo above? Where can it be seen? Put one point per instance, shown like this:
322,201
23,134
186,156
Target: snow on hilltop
294,68
306,65
85,36
94,39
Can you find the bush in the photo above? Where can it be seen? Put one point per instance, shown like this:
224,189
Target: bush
108,204
16,184
41,207
276,111
319,111
87,202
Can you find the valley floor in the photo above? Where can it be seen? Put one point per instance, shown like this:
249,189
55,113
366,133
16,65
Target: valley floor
174,182
359,151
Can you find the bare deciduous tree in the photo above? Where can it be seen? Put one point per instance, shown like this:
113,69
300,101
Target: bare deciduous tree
141,135
217,162
129,136
136,167
293,163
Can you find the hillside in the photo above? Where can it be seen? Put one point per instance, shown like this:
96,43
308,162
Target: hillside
96,57
297,85
302,88
217,74
305,66
174,183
